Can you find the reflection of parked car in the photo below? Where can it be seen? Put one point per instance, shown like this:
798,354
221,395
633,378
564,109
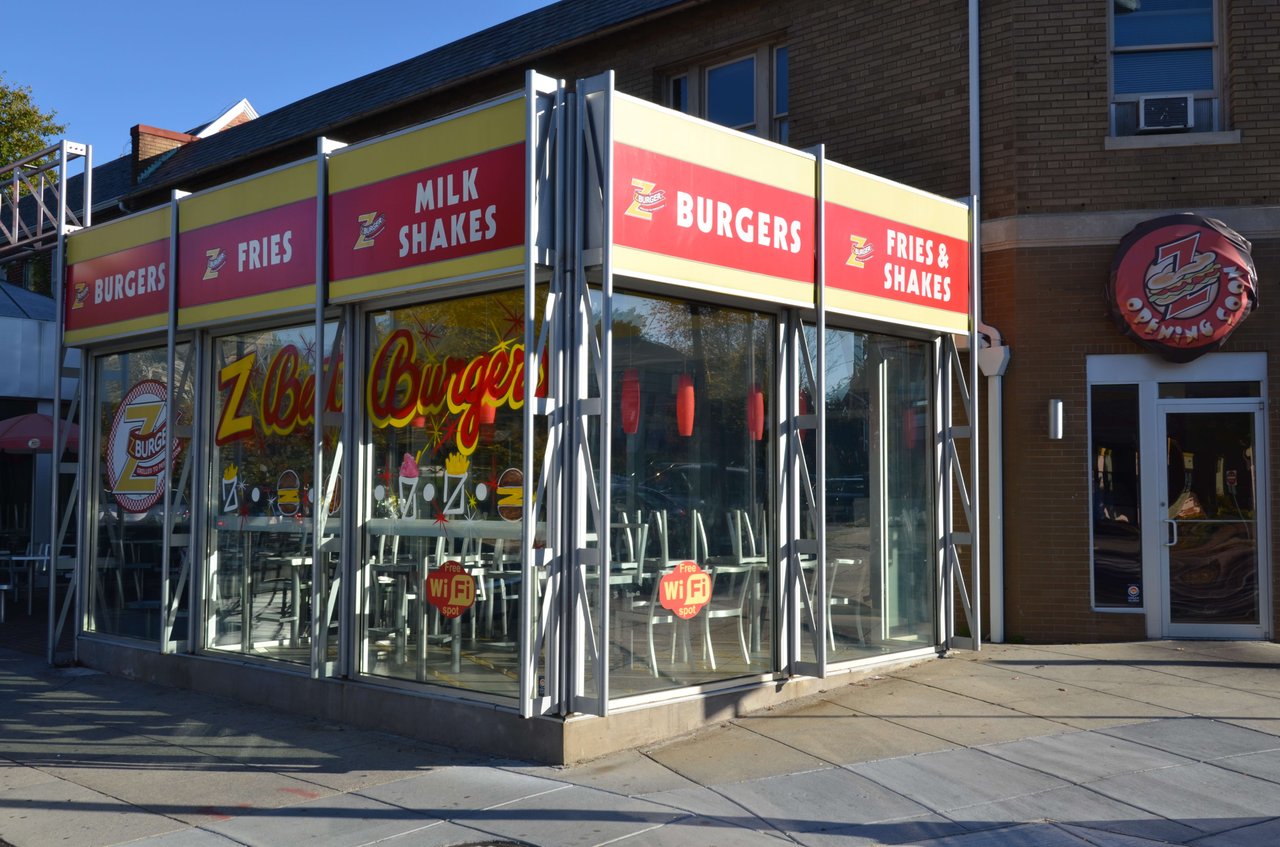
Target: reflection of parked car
629,495
844,493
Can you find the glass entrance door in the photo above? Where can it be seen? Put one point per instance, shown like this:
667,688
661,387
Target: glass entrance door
1209,527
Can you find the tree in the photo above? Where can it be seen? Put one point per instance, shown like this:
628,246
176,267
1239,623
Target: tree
24,127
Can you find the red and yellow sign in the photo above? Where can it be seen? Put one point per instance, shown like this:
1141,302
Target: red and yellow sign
402,385
443,201
451,589
285,398
248,248
135,448
118,278
1181,284
895,253
685,590
682,209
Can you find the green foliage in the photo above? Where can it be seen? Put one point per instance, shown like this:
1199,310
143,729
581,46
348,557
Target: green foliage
24,128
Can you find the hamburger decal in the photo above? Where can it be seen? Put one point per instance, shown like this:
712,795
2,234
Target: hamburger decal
1181,284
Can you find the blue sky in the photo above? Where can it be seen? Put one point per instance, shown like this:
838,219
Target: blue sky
105,66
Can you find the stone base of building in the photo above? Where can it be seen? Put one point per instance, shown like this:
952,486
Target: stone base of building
468,725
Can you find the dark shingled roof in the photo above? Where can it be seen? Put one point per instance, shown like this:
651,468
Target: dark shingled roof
516,41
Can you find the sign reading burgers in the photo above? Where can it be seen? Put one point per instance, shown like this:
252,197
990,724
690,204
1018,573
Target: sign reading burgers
1181,284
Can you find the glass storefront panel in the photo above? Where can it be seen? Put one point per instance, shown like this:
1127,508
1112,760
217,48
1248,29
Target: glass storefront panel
125,574
1117,488
442,575
879,497
262,493
693,570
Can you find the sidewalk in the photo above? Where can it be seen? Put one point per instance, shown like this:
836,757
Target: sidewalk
1120,745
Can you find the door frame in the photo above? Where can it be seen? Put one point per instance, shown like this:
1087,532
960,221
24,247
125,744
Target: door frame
1155,494
1148,372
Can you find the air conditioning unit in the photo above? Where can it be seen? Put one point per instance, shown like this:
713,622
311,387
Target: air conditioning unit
1166,112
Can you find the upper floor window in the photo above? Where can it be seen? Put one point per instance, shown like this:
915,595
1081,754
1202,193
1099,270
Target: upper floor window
1165,66
747,92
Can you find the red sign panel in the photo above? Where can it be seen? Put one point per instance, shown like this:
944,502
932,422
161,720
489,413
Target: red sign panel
685,590
451,589
1181,284
461,208
132,283
676,208
267,251
867,254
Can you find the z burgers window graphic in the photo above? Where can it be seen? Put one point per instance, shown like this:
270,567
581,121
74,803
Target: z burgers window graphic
1181,284
136,447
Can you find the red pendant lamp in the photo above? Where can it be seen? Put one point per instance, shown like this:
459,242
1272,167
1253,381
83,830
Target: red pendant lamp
684,405
488,411
803,407
755,412
630,401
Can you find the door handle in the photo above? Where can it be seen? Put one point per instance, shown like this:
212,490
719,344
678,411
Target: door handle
1173,540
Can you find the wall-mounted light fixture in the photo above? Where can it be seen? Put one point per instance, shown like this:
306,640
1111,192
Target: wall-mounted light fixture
1055,420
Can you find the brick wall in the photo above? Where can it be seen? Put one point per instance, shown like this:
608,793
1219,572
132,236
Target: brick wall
1047,482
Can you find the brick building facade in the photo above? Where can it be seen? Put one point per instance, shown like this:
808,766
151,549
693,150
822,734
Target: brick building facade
884,87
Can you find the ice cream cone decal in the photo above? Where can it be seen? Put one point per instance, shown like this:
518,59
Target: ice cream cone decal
408,487
231,489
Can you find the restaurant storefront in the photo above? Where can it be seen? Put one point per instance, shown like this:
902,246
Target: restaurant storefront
564,406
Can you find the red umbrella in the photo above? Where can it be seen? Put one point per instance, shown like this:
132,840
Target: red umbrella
33,433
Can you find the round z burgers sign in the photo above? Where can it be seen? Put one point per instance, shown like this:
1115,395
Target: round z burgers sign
1181,284
136,447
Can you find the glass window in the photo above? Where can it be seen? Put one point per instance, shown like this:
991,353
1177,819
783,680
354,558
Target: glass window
131,392
880,524
731,94
1117,519
748,93
262,492
1164,47
442,564
692,497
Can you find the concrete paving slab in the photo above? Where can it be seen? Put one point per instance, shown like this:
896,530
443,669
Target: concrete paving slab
1202,796
1197,738
819,801
705,832
445,792
62,812
1099,674
953,718
839,735
1265,834
572,817
218,795
1089,709
708,803
366,765
1077,805
445,834
1261,765
1252,679
984,681
1082,757
18,776
340,820
730,753
952,779
1265,725
1021,835
1201,699
630,773
919,829
188,837
1100,838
